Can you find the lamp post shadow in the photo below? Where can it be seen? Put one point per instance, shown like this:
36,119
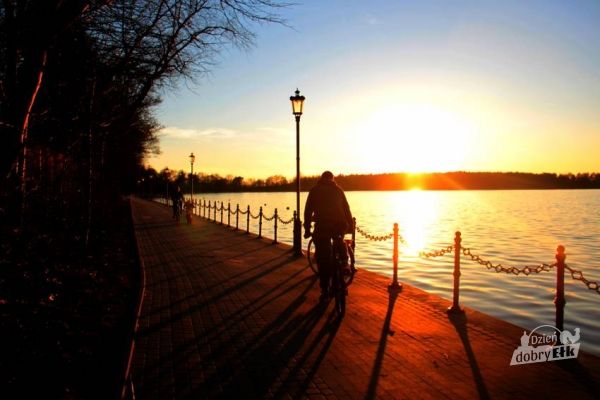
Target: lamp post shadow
385,331
459,321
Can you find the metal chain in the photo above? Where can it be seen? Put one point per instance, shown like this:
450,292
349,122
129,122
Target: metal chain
527,270
375,238
254,216
578,276
289,221
436,253
269,219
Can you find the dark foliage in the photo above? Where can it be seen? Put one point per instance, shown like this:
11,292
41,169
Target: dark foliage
66,311
79,80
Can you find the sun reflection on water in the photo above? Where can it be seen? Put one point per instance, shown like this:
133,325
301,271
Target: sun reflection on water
417,211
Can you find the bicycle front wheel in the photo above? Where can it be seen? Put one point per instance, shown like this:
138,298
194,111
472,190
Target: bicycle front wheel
348,278
310,255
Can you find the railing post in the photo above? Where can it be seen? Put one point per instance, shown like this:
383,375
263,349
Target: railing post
455,308
248,219
228,214
260,216
237,216
559,299
215,212
222,213
395,287
275,227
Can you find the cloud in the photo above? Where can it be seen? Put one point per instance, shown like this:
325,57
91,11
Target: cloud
372,20
174,132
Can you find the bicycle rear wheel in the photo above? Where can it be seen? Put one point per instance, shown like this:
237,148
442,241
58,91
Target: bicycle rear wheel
310,255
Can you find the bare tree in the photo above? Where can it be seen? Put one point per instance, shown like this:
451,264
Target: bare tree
29,29
153,42
135,48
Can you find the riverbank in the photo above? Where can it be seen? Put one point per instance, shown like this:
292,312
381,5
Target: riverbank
228,315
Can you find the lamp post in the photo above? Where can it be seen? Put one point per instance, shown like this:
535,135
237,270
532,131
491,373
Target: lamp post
192,159
297,104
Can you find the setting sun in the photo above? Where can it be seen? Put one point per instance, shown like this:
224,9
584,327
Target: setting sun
416,210
414,138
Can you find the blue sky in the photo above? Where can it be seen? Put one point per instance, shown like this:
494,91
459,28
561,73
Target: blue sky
400,86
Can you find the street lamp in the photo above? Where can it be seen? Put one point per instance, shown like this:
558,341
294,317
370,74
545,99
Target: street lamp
297,104
192,159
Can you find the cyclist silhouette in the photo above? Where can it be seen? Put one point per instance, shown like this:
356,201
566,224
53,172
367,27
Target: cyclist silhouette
177,199
327,206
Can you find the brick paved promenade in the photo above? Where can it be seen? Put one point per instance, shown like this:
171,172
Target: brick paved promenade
227,315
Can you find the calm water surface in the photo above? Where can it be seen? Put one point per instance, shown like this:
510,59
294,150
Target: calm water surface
513,227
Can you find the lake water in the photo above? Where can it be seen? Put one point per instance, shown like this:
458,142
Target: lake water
512,227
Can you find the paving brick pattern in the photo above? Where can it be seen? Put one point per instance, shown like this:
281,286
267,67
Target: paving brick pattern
228,315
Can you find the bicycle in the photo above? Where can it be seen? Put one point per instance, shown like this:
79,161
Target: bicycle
339,282
177,211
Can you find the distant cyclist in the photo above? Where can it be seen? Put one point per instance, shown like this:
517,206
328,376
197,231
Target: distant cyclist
327,206
177,199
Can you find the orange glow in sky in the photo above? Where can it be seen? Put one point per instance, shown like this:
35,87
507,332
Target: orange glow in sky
422,86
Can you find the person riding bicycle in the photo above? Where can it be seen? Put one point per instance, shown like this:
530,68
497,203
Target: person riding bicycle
177,199
327,206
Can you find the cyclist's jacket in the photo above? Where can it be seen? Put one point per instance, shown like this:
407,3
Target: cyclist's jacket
327,206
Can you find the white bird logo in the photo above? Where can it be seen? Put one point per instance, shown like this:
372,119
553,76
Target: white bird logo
567,337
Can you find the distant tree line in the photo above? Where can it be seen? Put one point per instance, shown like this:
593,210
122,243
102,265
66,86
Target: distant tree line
153,183
79,80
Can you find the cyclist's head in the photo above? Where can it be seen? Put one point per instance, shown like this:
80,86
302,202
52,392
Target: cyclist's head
327,176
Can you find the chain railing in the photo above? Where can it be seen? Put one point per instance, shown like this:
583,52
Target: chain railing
286,222
560,256
526,270
204,211
457,249
436,253
394,286
375,238
578,276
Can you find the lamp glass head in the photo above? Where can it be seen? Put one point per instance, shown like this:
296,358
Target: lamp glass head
297,103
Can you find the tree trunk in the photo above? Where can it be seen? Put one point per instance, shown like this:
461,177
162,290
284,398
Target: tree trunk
22,164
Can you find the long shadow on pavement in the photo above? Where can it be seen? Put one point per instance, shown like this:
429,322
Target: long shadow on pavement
232,289
385,331
258,365
459,320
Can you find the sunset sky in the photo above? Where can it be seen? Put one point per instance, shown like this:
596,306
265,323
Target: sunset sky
399,86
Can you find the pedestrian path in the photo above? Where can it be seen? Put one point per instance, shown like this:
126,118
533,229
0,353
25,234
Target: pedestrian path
228,315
